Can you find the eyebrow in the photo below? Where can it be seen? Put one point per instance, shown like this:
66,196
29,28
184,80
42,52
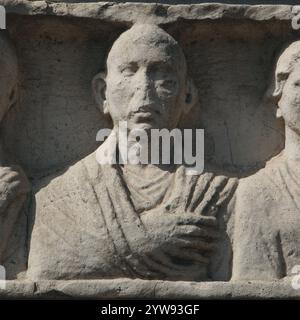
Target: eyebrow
164,63
169,64
125,64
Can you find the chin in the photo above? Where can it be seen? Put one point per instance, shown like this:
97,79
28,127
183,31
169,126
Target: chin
143,126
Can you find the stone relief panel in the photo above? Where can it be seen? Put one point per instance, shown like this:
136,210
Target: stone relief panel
65,217
230,65
140,221
267,202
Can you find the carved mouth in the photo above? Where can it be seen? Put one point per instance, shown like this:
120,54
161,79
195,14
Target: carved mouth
143,116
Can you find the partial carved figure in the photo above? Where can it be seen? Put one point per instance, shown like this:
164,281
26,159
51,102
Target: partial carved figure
138,221
267,214
14,185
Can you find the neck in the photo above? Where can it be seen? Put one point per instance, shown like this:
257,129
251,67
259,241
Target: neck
142,149
292,144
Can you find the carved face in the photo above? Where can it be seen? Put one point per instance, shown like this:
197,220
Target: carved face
146,81
289,103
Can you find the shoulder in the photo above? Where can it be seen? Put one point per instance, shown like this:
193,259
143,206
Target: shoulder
64,180
262,182
255,194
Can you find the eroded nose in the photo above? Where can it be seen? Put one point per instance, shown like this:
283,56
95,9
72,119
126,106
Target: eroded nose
143,93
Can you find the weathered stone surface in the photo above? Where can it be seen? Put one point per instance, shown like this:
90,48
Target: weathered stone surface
14,185
145,221
267,213
94,230
154,13
145,289
74,57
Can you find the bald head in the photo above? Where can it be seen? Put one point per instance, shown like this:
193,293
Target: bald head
147,37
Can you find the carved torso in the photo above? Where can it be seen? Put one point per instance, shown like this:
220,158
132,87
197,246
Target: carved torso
88,226
267,222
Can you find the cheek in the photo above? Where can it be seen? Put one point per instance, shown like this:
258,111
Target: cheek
296,101
170,98
167,96
291,100
119,93
290,106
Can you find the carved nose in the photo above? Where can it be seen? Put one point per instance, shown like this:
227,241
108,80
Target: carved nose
143,94
144,89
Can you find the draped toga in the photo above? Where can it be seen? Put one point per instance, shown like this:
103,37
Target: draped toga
87,220
13,222
267,222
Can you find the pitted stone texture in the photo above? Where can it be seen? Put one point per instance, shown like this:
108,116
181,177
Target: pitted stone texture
96,220
149,12
145,289
229,53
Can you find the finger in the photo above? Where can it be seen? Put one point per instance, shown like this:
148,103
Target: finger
164,264
194,243
11,176
15,189
198,220
195,256
12,188
207,205
172,268
4,171
199,244
188,255
193,231
227,192
7,196
12,173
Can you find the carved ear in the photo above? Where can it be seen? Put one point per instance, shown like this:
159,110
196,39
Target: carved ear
278,90
191,96
278,113
99,88
277,95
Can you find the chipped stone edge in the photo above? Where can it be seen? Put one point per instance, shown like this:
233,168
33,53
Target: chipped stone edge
146,289
131,12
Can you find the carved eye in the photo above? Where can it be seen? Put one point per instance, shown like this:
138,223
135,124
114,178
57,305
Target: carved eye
168,84
297,83
129,70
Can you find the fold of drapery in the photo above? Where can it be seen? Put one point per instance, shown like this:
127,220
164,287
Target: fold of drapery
86,225
13,228
267,237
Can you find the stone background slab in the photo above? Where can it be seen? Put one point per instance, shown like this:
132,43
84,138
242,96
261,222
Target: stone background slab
230,51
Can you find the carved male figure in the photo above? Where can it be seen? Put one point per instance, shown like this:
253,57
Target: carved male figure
267,215
138,221
13,182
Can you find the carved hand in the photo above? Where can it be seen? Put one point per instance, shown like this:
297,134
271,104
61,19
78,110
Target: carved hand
13,183
181,242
